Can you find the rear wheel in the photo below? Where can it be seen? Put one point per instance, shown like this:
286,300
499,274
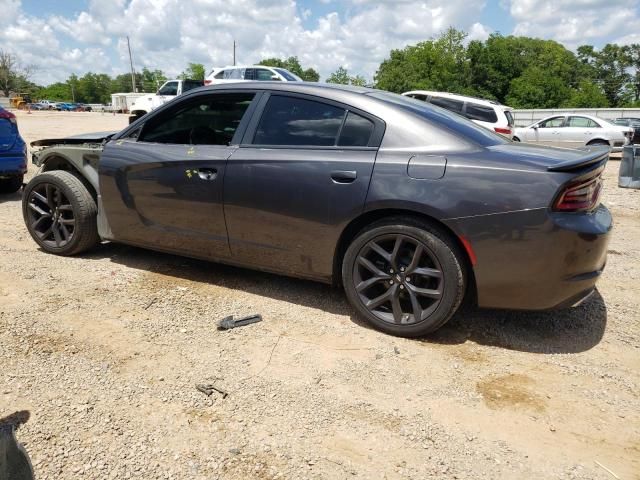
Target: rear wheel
60,213
11,185
598,142
403,276
516,139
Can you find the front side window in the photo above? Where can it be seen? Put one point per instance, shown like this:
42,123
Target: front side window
220,74
297,121
481,113
554,122
582,122
210,120
170,88
448,103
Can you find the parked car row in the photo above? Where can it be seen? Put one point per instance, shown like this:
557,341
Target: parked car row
60,106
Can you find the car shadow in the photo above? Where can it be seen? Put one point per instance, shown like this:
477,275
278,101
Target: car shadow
11,197
562,331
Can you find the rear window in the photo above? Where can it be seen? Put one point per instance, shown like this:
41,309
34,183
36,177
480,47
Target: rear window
448,103
286,74
451,121
481,113
510,119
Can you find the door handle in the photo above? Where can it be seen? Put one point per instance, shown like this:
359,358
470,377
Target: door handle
207,173
343,176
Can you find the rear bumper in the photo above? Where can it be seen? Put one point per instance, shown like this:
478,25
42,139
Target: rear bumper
536,259
12,165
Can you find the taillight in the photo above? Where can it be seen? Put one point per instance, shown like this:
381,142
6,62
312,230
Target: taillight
503,131
208,82
580,196
9,116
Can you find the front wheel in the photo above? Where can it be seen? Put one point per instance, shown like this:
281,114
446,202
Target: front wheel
60,213
404,277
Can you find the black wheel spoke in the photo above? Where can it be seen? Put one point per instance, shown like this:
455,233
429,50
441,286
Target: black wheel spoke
415,305
65,232
50,191
425,292
56,235
398,278
370,282
65,208
42,218
44,235
40,197
67,221
376,302
38,210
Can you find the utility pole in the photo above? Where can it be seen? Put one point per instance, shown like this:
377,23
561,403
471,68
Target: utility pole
133,75
234,53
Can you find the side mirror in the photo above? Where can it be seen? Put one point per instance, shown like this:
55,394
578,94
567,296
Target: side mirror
535,127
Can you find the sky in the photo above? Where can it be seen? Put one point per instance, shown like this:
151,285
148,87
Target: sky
61,37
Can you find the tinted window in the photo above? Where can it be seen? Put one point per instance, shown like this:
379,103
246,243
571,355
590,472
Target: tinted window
296,121
509,116
170,88
190,85
554,122
582,122
356,131
418,96
210,120
220,74
286,74
481,113
443,118
448,103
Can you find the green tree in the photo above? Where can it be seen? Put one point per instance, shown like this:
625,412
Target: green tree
14,77
340,76
535,88
195,71
587,95
436,64
609,68
59,92
293,65
152,80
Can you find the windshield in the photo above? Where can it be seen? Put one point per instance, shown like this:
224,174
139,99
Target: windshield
452,121
290,77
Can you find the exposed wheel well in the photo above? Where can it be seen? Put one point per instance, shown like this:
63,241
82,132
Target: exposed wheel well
60,163
598,141
358,224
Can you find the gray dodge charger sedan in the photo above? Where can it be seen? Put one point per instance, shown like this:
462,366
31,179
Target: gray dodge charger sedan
409,207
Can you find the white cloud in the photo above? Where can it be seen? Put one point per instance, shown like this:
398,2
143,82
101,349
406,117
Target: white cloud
167,34
574,22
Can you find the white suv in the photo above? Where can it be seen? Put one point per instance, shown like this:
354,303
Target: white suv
487,113
250,73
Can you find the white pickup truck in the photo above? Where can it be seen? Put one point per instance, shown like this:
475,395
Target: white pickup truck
168,91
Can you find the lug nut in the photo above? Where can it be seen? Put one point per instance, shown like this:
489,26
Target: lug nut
401,287
409,279
391,270
390,282
402,269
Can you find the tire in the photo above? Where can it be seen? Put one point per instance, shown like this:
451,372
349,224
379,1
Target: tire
133,118
60,213
437,279
516,139
11,185
599,142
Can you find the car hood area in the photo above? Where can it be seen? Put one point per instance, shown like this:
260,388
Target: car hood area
552,158
96,137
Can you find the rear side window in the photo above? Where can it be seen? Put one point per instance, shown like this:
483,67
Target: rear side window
170,88
448,103
356,131
297,121
210,120
190,85
481,113
582,122
285,73
510,121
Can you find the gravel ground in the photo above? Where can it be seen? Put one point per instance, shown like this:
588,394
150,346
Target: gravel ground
105,350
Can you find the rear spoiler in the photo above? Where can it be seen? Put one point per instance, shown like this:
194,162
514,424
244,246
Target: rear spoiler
593,155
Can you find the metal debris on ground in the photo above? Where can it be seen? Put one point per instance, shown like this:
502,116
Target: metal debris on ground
209,388
228,323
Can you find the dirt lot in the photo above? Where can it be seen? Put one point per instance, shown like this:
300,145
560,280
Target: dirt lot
105,350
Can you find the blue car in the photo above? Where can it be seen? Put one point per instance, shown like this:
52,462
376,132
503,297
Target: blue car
13,154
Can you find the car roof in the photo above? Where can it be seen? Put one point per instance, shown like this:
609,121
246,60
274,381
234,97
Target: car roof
455,96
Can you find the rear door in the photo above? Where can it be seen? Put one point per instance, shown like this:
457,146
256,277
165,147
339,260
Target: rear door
300,175
162,186
579,131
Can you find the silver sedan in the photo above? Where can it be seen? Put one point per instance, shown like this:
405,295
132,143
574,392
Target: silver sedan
574,131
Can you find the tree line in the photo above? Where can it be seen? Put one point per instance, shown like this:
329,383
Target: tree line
522,72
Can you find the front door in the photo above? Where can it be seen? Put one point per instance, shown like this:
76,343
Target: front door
163,189
549,131
301,174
